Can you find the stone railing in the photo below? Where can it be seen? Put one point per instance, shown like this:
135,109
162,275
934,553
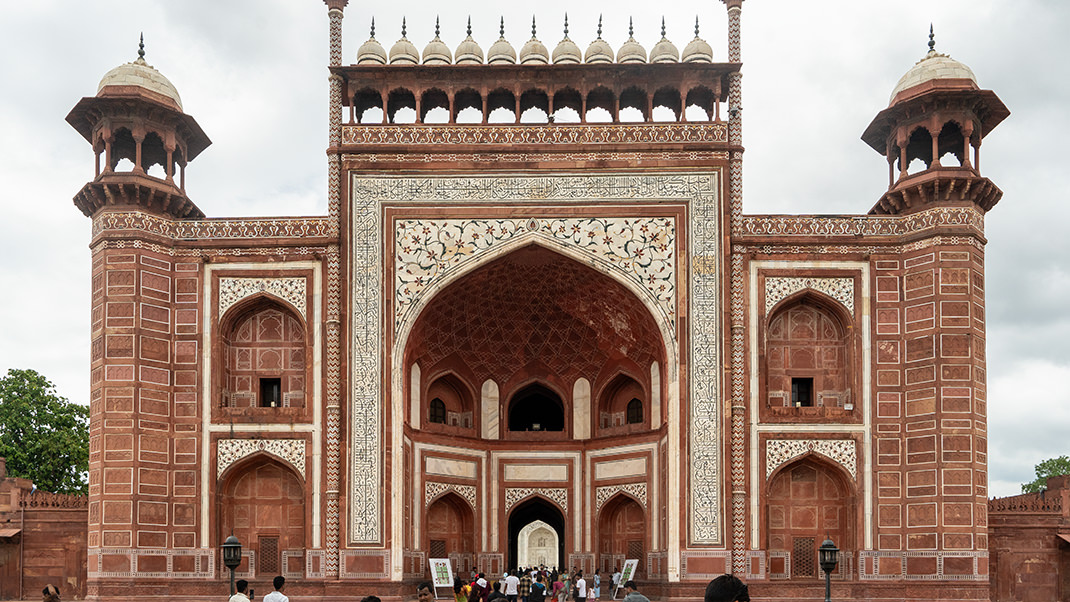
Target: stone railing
44,499
1028,502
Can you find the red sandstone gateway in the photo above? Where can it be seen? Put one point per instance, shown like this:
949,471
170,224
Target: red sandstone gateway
536,327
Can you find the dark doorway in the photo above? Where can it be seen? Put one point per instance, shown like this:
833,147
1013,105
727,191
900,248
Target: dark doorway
536,408
534,509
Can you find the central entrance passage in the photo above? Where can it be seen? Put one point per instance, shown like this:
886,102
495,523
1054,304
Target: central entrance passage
532,521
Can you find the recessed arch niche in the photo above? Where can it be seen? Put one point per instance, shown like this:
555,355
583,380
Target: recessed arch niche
534,315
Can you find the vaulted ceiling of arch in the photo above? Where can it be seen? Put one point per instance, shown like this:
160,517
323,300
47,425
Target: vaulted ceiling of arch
535,307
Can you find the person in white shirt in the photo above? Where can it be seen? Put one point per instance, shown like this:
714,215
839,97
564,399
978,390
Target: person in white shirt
616,579
581,587
512,583
277,596
241,596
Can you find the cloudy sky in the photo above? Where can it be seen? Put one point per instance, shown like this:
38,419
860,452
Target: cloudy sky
252,72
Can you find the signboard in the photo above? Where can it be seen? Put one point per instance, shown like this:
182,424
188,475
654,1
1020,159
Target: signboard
441,574
626,575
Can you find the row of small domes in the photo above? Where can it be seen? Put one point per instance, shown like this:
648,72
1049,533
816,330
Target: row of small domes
533,52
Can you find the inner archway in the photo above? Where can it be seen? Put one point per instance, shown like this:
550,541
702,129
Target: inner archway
533,511
263,505
537,545
450,531
536,408
621,534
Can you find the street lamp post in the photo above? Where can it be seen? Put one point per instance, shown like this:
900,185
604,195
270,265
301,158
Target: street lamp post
828,556
231,557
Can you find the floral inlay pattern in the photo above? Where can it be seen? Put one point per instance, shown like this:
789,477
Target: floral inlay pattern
516,494
643,248
841,451
432,489
229,451
603,494
840,289
233,290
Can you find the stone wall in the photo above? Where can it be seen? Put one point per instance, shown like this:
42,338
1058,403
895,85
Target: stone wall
1028,545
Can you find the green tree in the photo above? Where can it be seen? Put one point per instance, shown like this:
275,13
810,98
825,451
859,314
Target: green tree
44,437
1051,467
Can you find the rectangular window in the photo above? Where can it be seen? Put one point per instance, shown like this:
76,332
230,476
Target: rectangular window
270,392
802,392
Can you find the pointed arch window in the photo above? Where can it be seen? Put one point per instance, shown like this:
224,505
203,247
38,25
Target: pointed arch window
437,411
635,411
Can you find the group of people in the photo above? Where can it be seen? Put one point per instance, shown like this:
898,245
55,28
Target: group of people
538,584
245,594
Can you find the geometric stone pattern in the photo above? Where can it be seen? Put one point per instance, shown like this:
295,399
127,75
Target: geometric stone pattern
780,451
516,494
530,134
433,489
868,225
367,194
840,289
642,247
233,290
229,451
213,229
603,494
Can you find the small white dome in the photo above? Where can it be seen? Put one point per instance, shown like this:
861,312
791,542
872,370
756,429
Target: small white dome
371,52
933,66
140,74
501,51
468,51
697,50
437,52
533,51
664,51
631,51
403,52
567,52
599,51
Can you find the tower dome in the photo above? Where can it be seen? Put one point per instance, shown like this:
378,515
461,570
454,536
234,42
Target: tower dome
371,52
697,50
437,52
664,51
567,51
533,51
501,51
936,69
599,51
403,52
631,51
468,51
142,75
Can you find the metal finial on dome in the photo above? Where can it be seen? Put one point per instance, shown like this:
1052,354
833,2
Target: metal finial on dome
566,25
436,26
501,28
696,26
663,26
373,28
141,47
403,27
599,26
469,25
533,26
932,39
631,30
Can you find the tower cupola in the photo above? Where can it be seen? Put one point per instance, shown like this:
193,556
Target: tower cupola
136,124
931,135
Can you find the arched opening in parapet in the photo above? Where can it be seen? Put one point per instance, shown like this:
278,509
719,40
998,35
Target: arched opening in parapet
123,150
368,106
699,103
633,105
401,106
468,106
568,103
434,106
667,104
919,150
534,107
600,105
501,104
951,144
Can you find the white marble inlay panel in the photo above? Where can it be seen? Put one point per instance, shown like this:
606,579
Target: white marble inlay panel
536,472
450,468
840,289
233,290
229,451
620,468
781,451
